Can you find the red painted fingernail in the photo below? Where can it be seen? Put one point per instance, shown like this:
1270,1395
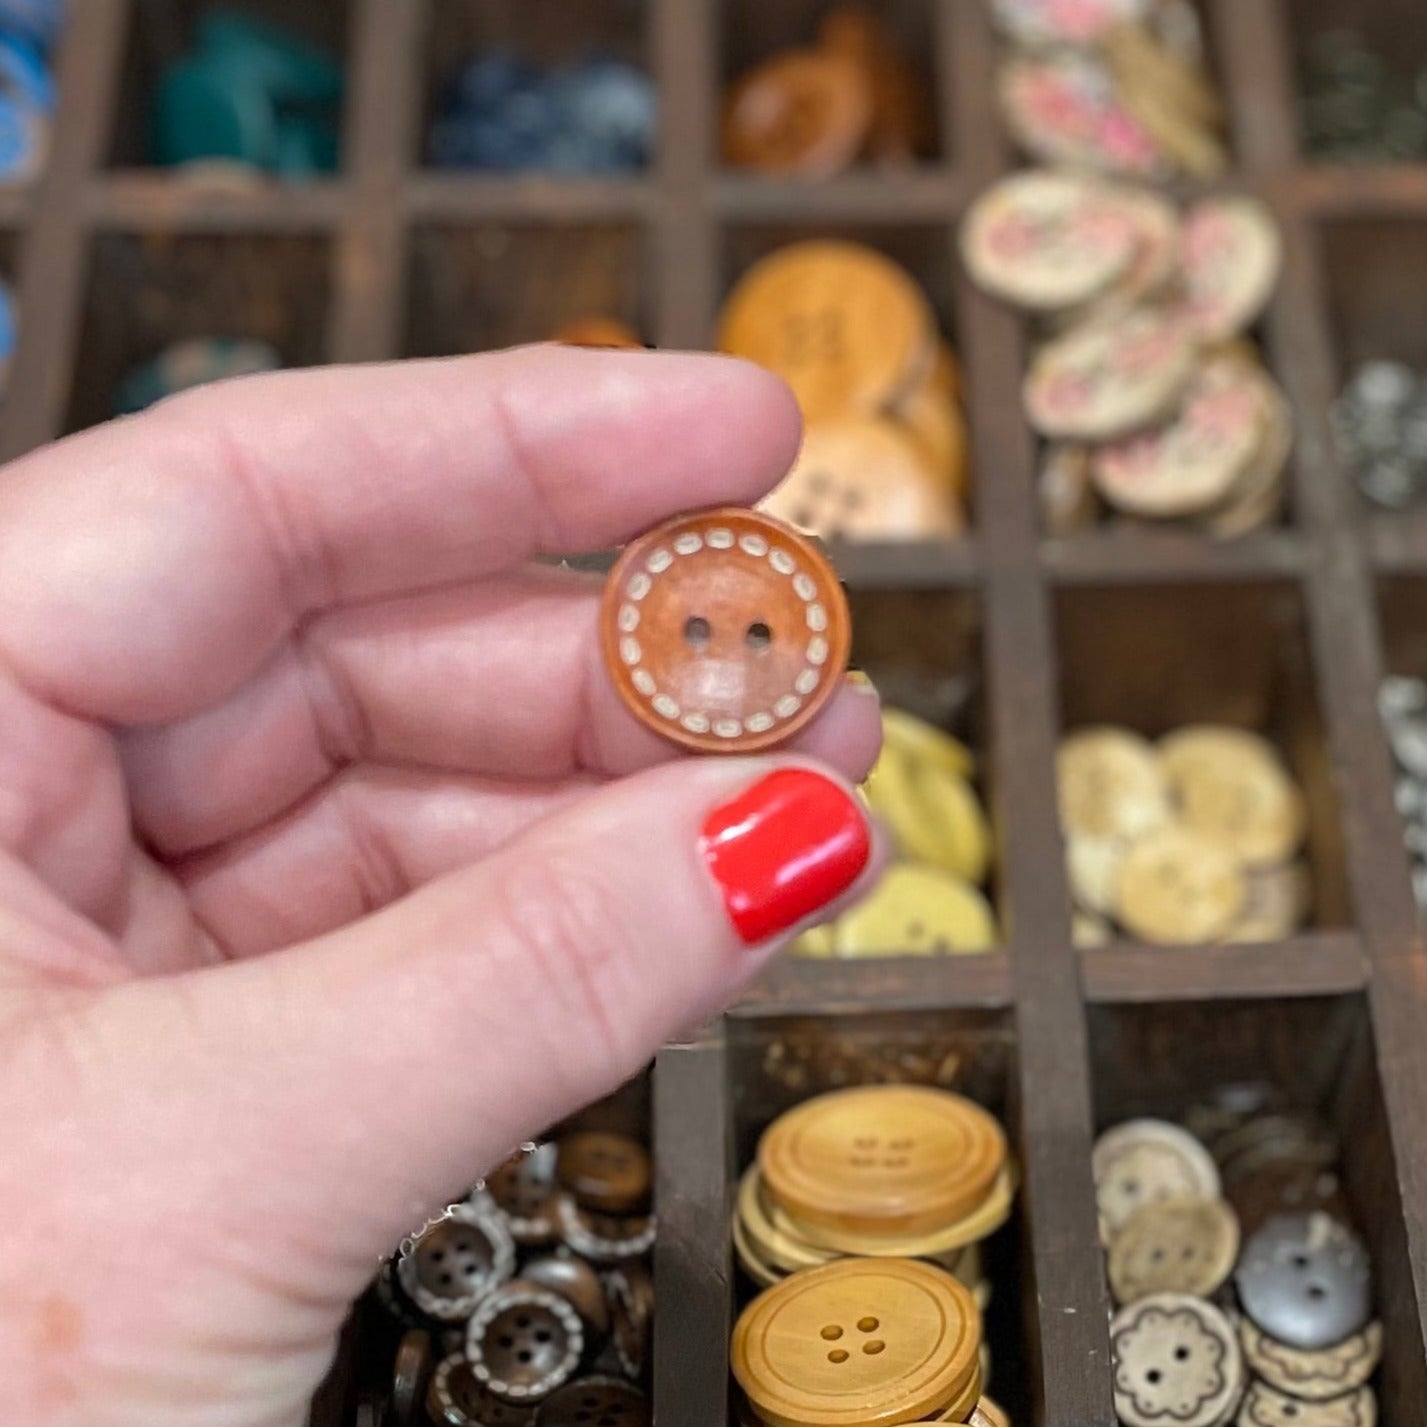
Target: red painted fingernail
783,849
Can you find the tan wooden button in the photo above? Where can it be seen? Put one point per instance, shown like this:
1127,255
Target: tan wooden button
1174,1246
1110,784
1179,887
1046,240
1231,786
863,478
1194,460
595,1402
805,112
605,1171
1142,1162
857,1343
899,1159
456,1399
776,1244
1177,1360
1109,376
1231,257
523,1342
1308,1375
724,630
1264,1406
597,331
841,323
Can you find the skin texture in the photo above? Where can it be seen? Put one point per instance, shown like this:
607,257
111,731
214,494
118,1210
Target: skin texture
330,865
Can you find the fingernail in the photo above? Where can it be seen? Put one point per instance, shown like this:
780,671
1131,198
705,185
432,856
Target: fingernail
859,682
783,849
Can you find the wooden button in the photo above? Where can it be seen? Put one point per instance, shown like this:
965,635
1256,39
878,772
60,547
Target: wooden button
1110,784
724,630
456,1261
595,1402
1143,1162
857,1343
1266,1407
890,1159
1313,1376
523,1342
916,910
863,478
841,323
596,331
607,1172
411,1376
1178,887
457,1399
1177,1360
576,1282
631,1301
1231,257
1174,1246
524,1189
604,1238
804,112
988,1414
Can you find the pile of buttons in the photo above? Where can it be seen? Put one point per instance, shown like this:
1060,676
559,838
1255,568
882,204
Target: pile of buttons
1355,108
1116,86
28,31
190,363
1380,426
814,112
531,1301
930,899
1193,840
1150,398
503,114
1403,704
864,1208
884,450
1244,1295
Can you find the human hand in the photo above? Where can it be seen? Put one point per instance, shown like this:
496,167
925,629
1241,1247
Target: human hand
330,865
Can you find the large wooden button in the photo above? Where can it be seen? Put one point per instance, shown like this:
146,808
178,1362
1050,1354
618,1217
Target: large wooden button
1178,1246
841,323
604,1171
724,630
857,1343
895,1159
523,1342
1313,1376
1176,1360
595,1402
1143,1162
802,112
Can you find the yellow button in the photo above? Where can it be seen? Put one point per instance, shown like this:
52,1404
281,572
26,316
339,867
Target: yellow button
916,910
932,812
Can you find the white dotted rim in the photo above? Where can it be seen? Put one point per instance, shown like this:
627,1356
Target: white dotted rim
584,1240
450,1308
691,542
502,1301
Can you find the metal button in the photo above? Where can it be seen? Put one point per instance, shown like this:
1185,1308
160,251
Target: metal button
524,1341
1305,1280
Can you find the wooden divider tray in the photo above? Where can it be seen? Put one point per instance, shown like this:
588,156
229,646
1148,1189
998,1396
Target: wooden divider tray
1292,627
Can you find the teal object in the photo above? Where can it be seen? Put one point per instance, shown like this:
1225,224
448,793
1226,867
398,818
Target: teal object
191,363
204,110
288,67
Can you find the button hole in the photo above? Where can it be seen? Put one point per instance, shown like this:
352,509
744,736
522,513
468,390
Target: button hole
838,1355
697,631
758,636
874,1347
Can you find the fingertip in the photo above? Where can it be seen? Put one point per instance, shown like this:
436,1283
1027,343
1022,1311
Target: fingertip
847,735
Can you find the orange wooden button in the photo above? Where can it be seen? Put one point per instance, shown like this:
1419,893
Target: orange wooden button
857,1343
724,630
597,331
898,1159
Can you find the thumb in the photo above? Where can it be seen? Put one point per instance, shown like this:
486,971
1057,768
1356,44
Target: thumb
352,1082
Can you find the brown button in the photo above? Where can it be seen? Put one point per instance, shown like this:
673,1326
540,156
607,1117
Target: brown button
411,1376
604,1171
724,630
524,1190
453,1263
524,1342
456,1399
576,1282
804,112
631,1299
597,331
604,1238
595,1402
1287,1187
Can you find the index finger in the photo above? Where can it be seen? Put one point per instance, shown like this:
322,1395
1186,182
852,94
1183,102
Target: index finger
148,567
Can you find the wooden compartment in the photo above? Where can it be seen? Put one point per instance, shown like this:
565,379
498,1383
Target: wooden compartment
144,292
1156,658
1315,1054
494,285
161,31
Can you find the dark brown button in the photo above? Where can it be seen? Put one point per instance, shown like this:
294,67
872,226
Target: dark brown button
631,1301
606,1172
575,1281
595,1402
411,1376
1284,1187
390,1295
371,1412
453,1263
724,630
604,1238
456,1399
524,1189
524,1342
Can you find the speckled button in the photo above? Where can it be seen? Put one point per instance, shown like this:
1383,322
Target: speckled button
1177,1361
1305,1280
525,1190
523,1342
1142,1162
724,630
455,1262
606,1172
595,1402
1313,1376
1266,1407
456,1399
